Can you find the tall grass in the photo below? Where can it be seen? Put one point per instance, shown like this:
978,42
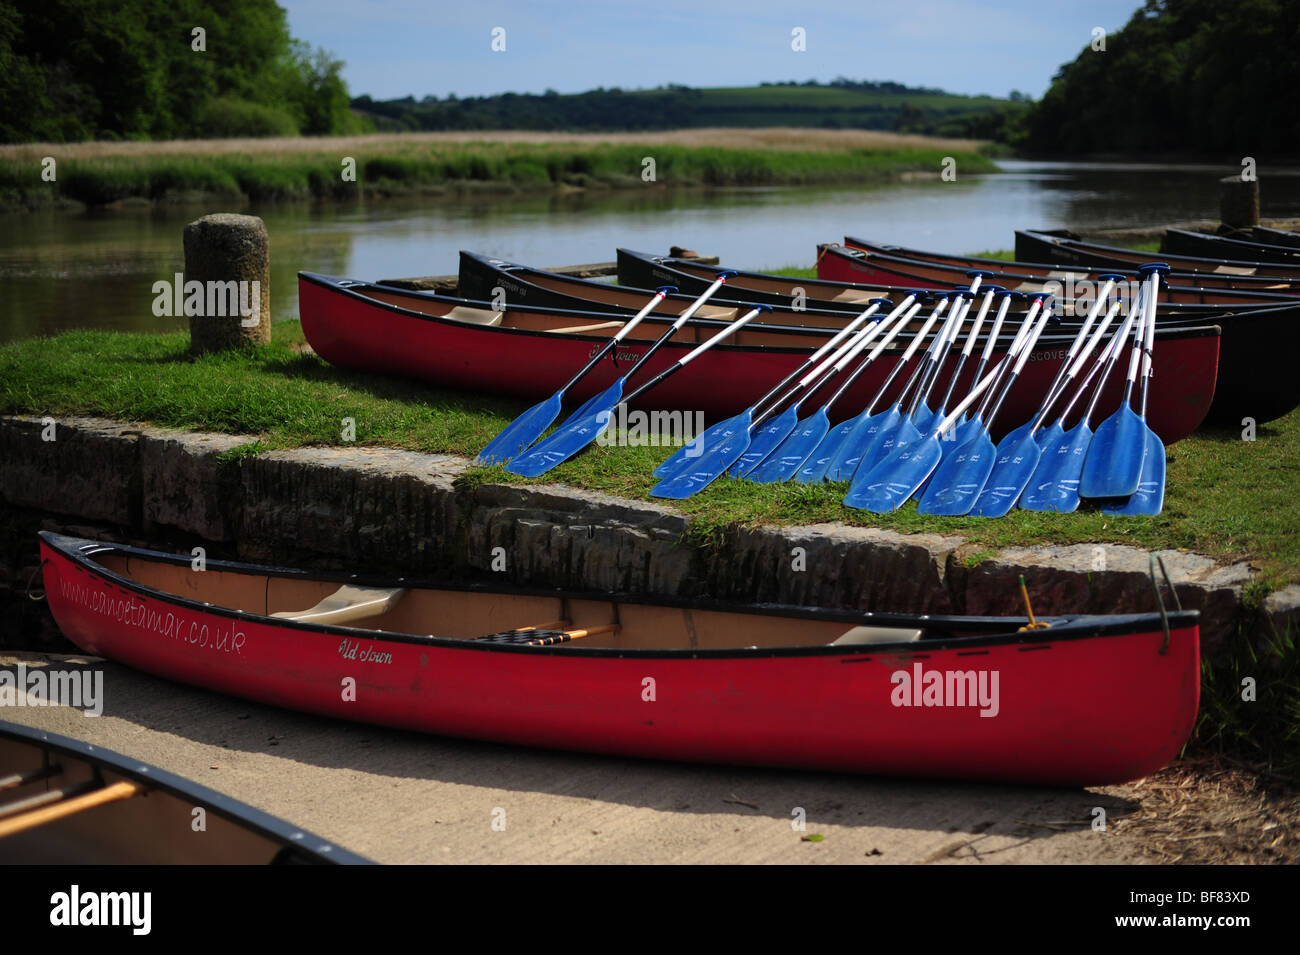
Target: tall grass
452,166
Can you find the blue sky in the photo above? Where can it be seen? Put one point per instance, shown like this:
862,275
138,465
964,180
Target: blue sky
396,47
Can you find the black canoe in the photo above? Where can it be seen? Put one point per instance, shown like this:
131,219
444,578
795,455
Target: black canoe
70,803
647,271
1208,285
1065,248
1256,377
1183,242
1275,236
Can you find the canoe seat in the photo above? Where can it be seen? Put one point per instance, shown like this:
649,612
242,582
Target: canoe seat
346,604
474,316
876,635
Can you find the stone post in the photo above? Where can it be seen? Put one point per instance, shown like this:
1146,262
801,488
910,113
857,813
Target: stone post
229,256
1238,202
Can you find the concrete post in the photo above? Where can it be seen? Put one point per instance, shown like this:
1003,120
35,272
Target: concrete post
229,256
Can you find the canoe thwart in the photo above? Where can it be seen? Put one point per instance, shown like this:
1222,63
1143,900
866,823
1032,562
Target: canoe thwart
347,604
67,807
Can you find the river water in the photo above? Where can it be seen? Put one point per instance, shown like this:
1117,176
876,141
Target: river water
96,269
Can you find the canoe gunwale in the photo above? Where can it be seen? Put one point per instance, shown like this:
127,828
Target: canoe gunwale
1192,327
81,551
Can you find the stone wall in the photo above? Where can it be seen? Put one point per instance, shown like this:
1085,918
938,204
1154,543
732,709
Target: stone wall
382,511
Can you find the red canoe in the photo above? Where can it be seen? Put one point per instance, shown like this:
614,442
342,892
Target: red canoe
1206,281
839,263
532,351
1090,701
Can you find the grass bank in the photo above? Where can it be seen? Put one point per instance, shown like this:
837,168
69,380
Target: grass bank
1227,498
383,166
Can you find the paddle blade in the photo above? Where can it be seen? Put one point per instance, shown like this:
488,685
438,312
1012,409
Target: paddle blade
697,446
764,441
895,478
846,460
1114,460
814,469
521,433
923,419
704,470
1055,484
886,443
954,488
782,463
569,438
1049,439
1016,461
1149,498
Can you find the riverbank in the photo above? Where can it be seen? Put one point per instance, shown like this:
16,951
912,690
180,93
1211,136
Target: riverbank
347,168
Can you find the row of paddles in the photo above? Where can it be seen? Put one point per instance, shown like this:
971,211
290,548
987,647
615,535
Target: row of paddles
944,459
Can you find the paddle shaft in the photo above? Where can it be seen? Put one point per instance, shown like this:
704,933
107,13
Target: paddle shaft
934,361
619,336
875,353
695,352
902,361
1110,359
1075,366
1149,357
1022,334
676,326
1029,343
1003,306
817,355
971,339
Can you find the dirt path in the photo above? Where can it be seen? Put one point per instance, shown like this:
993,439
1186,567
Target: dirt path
400,797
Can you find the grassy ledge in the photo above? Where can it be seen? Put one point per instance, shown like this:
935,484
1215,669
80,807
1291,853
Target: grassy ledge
1227,498
308,171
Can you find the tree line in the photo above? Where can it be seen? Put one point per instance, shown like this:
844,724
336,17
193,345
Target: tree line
1182,76
162,69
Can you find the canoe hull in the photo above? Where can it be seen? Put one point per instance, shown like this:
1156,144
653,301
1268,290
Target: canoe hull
351,331
1128,709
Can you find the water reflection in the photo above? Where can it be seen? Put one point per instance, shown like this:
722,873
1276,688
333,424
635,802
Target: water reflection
97,268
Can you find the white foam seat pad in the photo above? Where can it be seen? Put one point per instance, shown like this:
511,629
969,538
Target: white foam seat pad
346,604
474,316
876,635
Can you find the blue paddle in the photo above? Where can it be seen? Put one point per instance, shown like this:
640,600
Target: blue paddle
572,436
922,414
696,475
763,440
871,430
895,479
961,475
1019,453
1113,463
989,292
530,425
791,453
1149,498
814,469
724,429
1055,482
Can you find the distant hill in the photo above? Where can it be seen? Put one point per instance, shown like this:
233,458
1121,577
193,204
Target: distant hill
841,104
